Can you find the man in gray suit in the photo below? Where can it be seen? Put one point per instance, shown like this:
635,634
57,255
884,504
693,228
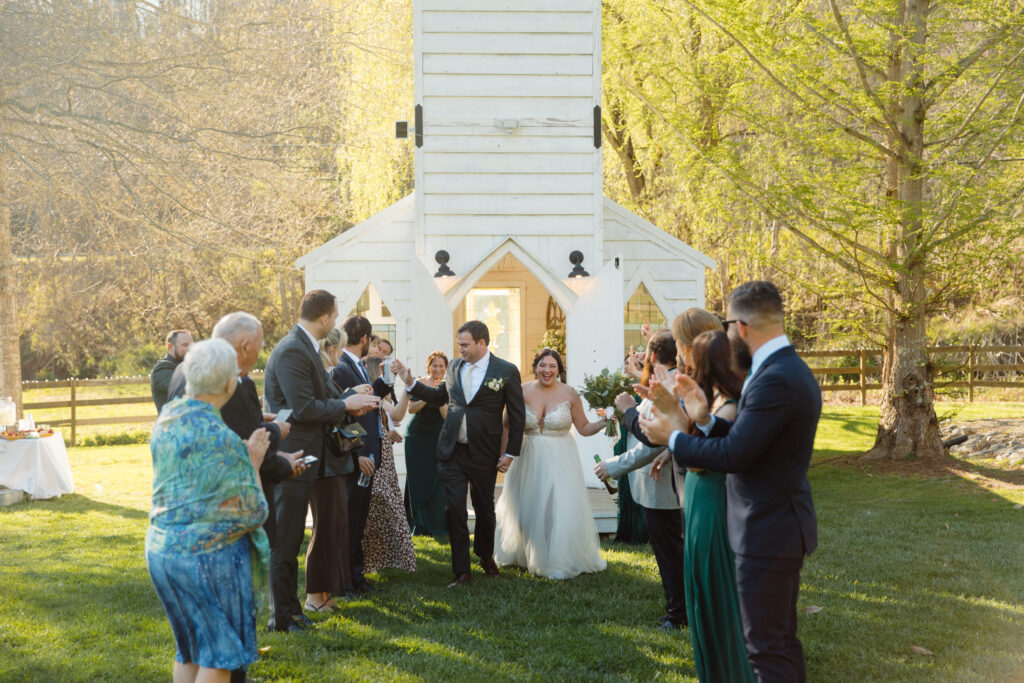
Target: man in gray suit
295,378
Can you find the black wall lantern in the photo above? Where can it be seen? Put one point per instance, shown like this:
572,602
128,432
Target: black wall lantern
576,259
442,260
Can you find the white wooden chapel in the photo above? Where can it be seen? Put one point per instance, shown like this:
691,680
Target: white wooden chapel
508,184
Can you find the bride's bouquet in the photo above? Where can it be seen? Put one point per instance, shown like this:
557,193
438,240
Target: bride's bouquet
600,390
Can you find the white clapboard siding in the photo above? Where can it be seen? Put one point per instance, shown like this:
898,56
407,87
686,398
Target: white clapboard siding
507,85
532,6
447,224
508,183
570,65
440,162
440,21
528,128
500,143
454,108
508,43
509,204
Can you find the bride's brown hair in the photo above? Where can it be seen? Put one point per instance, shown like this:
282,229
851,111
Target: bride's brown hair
544,353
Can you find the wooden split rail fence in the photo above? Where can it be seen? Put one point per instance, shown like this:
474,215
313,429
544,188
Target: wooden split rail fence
955,368
74,402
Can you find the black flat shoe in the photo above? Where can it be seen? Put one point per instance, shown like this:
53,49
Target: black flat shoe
302,620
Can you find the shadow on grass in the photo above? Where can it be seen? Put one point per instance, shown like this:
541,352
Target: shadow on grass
515,626
75,503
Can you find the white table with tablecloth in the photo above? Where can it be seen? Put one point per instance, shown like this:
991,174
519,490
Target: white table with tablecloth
39,467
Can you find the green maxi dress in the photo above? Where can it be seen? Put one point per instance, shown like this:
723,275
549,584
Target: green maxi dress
712,604
424,494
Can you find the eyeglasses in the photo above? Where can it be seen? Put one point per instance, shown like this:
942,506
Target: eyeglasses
726,323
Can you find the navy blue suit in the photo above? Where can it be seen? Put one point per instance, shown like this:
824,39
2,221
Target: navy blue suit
347,374
771,519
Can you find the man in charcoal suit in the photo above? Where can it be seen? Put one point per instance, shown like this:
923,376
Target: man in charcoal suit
478,388
766,452
295,378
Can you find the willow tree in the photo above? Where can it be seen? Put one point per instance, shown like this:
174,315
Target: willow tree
887,138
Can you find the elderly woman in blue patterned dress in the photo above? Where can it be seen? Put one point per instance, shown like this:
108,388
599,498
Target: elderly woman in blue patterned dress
205,545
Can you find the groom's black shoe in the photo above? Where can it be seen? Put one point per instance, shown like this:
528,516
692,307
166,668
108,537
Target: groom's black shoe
490,567
460,580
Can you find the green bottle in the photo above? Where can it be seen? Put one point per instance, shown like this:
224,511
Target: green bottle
608,482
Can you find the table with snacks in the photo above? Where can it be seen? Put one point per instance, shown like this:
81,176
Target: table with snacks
35,462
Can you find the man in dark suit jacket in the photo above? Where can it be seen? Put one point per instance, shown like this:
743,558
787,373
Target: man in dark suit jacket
348,374
295,378
478,389
766,452
178,344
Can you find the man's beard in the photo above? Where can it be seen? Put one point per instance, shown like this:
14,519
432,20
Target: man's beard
741,354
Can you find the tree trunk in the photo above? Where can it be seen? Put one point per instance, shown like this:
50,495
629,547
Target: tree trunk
907,425
10,351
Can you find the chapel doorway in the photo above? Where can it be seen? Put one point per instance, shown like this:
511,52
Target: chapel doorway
518,312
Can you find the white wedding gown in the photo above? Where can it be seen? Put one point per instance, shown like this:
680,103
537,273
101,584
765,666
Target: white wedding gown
545,523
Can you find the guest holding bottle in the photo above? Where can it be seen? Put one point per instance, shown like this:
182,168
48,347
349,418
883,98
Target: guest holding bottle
657,499
424,494
205,546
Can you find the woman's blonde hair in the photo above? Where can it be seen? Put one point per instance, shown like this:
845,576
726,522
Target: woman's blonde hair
331,341
691,323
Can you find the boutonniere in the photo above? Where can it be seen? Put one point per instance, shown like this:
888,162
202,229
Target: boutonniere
496,384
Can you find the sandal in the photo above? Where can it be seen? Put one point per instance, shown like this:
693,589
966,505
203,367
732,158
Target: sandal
326,606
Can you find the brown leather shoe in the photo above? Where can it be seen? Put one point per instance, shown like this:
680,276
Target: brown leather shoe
490,567
461,579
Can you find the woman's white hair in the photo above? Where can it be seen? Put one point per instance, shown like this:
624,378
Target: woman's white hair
209,366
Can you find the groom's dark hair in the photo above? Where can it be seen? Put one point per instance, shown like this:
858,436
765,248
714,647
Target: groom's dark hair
477,330
757,301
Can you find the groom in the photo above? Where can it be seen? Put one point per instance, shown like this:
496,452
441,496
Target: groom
478,389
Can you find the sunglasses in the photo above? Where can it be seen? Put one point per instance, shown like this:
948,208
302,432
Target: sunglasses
726,323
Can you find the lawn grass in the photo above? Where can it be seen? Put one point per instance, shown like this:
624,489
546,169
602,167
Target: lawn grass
902,562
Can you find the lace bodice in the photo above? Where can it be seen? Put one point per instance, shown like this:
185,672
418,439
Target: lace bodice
557,422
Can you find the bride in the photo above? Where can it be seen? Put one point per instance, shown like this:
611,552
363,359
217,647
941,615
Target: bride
544,521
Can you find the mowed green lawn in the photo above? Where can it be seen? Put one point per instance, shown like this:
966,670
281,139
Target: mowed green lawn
902,563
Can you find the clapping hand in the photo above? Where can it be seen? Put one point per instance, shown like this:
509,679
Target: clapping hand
257,446
624,402
663,390
694,399
645,329
401,371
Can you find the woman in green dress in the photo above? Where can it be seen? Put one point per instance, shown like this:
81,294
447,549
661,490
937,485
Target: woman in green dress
424,494
712,604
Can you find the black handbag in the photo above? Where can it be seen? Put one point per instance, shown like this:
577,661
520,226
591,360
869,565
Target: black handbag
343,440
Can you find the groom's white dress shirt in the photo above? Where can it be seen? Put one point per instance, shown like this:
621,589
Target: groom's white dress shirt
471,375
756,361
